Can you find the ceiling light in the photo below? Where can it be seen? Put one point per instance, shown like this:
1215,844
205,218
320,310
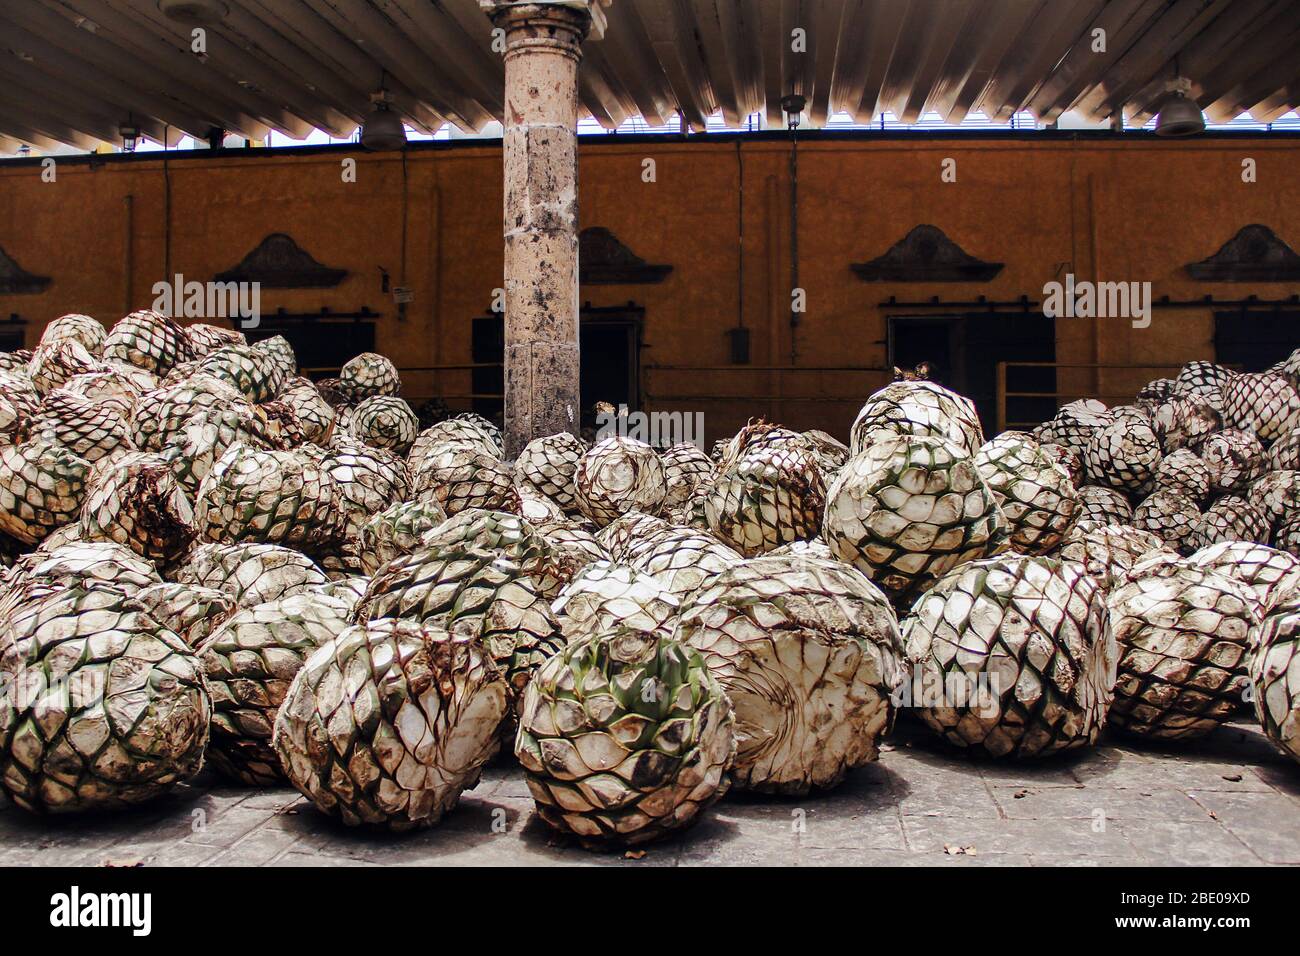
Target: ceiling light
1179,114
130,136
383,129
197,12
793,106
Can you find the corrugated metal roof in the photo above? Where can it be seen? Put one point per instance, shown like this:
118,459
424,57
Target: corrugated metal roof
72,71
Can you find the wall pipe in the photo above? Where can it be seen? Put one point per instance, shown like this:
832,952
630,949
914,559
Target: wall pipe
167,221
794,240
128,254
436,264
1094,258
740,237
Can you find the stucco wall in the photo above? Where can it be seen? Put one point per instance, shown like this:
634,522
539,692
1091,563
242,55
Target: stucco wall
1136,210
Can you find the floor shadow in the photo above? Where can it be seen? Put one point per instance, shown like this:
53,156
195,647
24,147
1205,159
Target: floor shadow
472,822
542,838
926,747
872,787
108,822
1283,777
1238,742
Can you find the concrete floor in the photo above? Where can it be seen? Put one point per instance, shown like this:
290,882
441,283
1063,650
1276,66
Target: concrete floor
1228,800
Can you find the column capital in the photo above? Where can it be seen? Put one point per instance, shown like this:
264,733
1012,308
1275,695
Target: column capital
588,16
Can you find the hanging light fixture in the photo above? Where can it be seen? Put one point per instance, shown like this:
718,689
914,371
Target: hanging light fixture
1179,115
383,129
195,12
130,134
793,105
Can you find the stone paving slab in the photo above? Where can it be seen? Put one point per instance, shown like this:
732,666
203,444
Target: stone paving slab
1226,801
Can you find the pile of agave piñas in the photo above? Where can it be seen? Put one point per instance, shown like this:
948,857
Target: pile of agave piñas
210,558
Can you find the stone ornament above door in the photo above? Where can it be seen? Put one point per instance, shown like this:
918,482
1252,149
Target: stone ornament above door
926,254
1254,254
279,262
604,260
15,280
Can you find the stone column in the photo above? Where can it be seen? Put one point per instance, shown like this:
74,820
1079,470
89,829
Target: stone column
543,45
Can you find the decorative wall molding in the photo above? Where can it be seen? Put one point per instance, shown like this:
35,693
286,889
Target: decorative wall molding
15,280
1254,254
926,254
279,262
604,260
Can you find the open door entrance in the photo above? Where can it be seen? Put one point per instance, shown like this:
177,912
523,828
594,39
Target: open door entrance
322,341
610,339
610,344
1255,342
964,352
13,333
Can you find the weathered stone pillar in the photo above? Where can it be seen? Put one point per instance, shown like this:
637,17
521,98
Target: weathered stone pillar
543,45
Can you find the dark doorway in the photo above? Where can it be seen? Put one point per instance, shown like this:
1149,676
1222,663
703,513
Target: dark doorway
610,339
917,340
1255,341
610,343
321,343
488,345
964,352
13,334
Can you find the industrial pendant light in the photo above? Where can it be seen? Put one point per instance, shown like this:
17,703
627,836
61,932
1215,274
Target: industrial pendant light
195,12
793,105
383,129
1179,115
130,134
